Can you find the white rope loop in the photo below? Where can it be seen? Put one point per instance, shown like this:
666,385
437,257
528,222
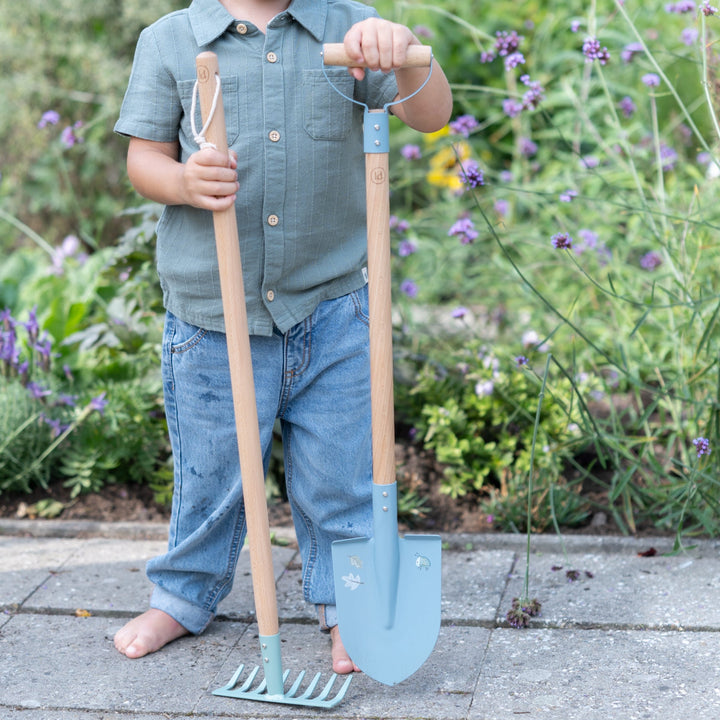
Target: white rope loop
199,137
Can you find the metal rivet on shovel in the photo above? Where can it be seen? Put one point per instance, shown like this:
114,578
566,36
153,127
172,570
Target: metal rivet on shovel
272,687
387,588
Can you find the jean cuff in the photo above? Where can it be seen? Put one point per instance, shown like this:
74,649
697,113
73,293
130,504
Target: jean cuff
191,617
327,616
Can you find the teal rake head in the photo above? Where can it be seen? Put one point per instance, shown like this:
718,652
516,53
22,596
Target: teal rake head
271,688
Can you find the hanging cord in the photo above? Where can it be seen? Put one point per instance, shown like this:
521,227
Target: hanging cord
199,137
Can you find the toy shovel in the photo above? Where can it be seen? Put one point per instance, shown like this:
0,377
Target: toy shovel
387,588
272,687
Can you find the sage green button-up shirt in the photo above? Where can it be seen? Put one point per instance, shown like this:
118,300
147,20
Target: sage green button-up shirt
301,204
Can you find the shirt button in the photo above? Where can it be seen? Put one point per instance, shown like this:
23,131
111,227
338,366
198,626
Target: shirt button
273,220
271,57
274,135
241,28
270,295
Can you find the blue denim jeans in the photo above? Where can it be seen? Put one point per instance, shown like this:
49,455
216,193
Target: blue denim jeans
316,380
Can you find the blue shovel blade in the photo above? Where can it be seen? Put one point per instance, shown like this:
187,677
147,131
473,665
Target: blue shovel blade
388,602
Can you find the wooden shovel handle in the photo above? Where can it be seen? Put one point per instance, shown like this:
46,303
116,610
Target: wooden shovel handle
241,375
417,56
380,307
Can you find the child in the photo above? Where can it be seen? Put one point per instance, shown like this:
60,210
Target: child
296,178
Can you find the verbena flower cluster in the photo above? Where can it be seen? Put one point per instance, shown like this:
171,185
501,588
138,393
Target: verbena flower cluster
28,360
702,446
592,50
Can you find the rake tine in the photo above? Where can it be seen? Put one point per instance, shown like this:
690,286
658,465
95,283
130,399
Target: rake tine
340,695
310,688
295,686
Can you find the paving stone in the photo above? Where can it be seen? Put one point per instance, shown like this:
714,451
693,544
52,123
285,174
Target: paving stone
624,589
55,661
598,675
27,563
473,583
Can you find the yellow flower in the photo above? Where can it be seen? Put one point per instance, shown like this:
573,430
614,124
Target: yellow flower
444,165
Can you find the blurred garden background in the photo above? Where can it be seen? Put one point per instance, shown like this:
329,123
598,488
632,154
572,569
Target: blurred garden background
563,229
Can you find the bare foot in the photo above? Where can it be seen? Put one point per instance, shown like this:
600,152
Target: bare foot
342,664
147,633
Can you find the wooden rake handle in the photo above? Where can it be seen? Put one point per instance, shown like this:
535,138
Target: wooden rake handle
377,189
240,359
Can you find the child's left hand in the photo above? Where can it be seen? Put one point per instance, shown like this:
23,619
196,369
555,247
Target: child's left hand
377,44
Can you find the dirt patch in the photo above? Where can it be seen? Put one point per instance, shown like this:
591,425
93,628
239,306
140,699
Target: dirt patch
422,507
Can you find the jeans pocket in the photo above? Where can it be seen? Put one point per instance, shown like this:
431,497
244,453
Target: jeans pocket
184,336
327,115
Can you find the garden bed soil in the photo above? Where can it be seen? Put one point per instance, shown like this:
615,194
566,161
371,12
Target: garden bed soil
418,471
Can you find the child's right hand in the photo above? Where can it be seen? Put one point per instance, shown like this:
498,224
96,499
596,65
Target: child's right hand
210,180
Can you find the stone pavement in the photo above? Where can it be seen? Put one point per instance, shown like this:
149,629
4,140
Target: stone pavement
634,637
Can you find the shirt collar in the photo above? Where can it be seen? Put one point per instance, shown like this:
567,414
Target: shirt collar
209,19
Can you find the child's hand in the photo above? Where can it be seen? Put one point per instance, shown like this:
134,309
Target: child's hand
378,44
210,180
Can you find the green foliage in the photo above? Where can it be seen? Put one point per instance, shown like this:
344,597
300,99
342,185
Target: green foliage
629,310
479,419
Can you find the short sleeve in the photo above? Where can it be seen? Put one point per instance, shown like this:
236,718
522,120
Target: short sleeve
151,108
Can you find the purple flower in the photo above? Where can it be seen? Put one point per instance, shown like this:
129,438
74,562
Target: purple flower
459,312
472,175
513,60
534,95
684,6
628,53
406,247
98,403
668,157
507,42
593,51
465,230
409,288
651,79
68,373
58,428
708,9
38,391
561,241
521,360
651,260
512,108
464,125
567,196
575,26
527,147
398,225
627,106
31,325
9,351
423,31
689,36
50,117
502,207
64,399
487,56
589,161
7,319
411,152
68,136
702,445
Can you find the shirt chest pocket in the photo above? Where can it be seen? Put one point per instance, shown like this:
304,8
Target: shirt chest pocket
326,114
231,100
